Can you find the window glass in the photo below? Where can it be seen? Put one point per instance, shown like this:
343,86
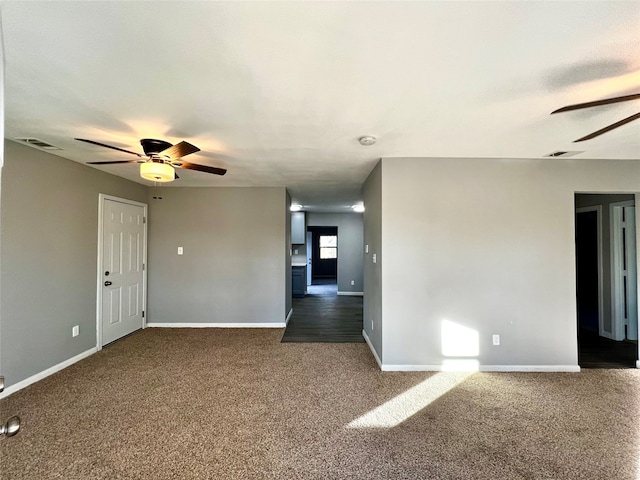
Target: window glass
328,246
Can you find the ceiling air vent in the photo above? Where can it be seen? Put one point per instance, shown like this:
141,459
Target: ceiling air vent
564,154
34,142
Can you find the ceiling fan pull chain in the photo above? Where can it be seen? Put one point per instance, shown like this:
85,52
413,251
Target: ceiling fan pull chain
158,195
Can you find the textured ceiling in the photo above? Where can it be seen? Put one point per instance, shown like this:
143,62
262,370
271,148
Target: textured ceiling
279,92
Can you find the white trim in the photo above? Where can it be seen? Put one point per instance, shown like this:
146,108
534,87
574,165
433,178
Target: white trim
637,363
101,198
286,320
373,350
45,373
217,325
598,210
354,294
483,368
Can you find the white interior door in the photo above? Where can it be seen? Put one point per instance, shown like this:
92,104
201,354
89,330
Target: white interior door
309,257
122,268
624,275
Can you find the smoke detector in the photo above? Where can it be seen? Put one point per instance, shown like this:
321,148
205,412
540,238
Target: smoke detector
367,140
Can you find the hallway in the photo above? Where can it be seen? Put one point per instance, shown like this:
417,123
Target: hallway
325,316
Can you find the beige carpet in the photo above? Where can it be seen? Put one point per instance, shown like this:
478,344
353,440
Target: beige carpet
238,404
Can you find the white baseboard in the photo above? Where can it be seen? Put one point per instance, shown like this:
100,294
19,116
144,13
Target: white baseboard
530,368
354,294
286,320
483,368
217,325
45,373
637,363
373,350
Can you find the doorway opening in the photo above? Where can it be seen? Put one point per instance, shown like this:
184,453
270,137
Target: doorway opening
323,258
606,280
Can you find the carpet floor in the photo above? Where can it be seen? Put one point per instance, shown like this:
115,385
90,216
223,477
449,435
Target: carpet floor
239,404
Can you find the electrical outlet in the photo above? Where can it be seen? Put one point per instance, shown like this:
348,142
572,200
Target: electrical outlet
75,331
180,251
496,339
353,282
295,251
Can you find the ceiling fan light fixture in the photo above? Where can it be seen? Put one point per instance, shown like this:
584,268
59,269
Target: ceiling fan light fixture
157,172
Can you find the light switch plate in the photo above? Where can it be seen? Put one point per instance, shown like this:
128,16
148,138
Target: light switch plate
180,251
374,258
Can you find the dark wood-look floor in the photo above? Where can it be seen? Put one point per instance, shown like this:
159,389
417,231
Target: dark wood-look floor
598,352
325,318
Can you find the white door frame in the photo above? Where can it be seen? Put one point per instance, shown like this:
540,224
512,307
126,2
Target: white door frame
308,239
598,210
617,324
101,200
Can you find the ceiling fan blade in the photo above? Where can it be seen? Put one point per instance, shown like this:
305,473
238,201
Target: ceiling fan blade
107,146
201,168
609,128
180,150
597,103
110,163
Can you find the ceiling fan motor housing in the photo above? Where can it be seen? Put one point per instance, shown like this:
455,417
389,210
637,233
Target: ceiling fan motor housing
154,147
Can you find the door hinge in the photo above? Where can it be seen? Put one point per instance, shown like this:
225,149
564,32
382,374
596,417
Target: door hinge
142,313
143,266
144,219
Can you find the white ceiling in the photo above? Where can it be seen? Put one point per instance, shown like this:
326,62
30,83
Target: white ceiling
279,92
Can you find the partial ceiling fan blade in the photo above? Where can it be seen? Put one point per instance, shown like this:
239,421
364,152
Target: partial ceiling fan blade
597,103
201,168
110,163
108,146
609,128
180,150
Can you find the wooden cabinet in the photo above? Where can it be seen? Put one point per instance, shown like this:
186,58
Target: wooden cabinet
298,228
298,280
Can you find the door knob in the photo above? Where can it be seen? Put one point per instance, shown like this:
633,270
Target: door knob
107,283
10,428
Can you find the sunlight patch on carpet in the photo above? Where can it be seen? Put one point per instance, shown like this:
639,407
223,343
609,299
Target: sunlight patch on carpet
407,404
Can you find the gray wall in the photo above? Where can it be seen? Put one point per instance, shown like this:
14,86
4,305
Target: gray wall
372,306
590,200
489,245
234,268
350,246
49,257
287,265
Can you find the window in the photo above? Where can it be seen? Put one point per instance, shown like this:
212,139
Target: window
328,246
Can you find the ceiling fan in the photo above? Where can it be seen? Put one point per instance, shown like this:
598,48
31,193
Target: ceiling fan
597,103
160,159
